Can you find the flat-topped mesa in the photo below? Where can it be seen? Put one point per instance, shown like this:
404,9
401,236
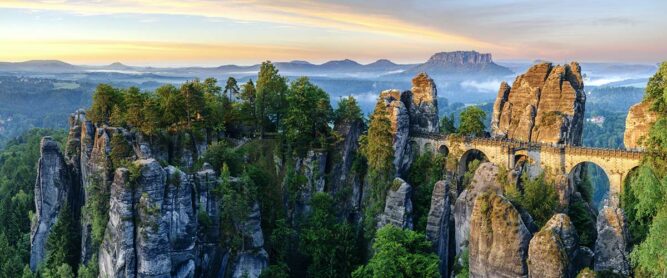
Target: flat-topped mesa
545,104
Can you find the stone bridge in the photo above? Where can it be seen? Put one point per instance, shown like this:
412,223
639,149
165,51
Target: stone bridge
554,158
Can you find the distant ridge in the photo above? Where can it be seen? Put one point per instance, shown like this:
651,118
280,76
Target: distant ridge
452,64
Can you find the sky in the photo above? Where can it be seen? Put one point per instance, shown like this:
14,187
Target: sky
210,33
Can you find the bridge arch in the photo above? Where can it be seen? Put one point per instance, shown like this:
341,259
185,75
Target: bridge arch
465,162
589,174
443,150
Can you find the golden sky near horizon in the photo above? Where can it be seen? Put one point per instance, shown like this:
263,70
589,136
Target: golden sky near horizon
207,32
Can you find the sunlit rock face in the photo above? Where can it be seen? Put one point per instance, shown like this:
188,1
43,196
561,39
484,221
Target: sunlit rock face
545,104
424,107
611,246
498,243
637,124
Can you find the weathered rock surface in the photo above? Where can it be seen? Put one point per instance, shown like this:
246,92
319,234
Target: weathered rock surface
399,116
179,210
424,107
485,179
53,190
499,240
552,250
209,256
398,206
637,124
545,104
117,257
440,224
254,259
611,251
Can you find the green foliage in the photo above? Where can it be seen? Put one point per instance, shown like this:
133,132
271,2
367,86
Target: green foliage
327,243
447,124
539,198
586,273
462,265
90,270
236,200
472,122
309,113
583,221
270,104
120,150
63,244
400,253
220,153
17,183
104,100
348,111
470,173
231,87
377,148
424,172
641,200
650,256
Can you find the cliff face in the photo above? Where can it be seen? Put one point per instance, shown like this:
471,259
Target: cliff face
53,190
411,112
637,124
545,104
498,238
398,206
440,225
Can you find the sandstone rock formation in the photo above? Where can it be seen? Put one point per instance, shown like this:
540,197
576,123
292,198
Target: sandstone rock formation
53,190
398,206
545,104
399,116
499,240
485,179
637,124
440,224
552,250
424,107
254,259
410,112
611,246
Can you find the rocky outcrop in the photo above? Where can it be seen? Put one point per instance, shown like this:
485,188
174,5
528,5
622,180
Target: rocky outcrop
545,104
499,239
209,256
424,107
117,257
398,206
440,224
637,124
485,179
253,259
53,190
399,116
553,249
152,226
611,246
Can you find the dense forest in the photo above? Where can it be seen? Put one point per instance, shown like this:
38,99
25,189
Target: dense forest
258,131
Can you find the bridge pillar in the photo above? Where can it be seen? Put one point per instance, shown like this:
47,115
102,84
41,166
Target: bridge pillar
616,180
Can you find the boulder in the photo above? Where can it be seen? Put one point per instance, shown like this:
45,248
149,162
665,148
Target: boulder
53,190
611,246
637,124
499,240
424,106
545,104
398,206
552,250
485,179
440,224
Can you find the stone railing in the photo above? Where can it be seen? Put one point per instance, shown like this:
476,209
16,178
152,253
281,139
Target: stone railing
516,144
